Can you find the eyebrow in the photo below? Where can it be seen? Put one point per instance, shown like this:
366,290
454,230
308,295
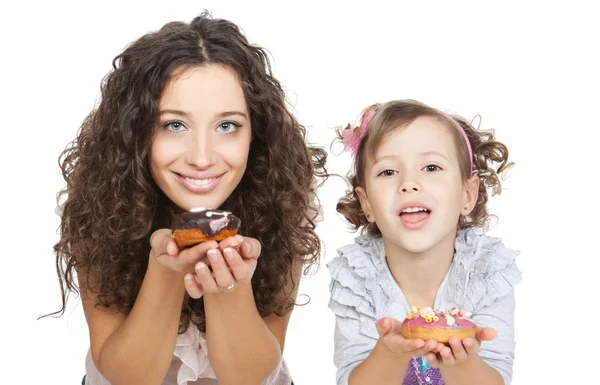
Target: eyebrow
221,115
381,158
434,153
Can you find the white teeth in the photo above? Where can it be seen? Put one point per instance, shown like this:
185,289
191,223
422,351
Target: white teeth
200,182
414,209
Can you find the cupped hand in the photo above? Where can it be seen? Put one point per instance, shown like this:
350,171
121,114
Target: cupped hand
232,263
460,351
165,251
390,333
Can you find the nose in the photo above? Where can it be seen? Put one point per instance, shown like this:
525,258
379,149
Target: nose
409,184
201,151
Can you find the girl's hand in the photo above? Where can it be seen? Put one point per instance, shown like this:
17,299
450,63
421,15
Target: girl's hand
165,252
390,333
458,351
232,263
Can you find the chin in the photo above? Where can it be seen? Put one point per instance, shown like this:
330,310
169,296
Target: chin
413,242
415,248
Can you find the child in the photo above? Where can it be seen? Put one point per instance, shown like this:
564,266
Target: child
190,116
419,191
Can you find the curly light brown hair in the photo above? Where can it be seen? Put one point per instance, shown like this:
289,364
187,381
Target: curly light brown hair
490,158
113,205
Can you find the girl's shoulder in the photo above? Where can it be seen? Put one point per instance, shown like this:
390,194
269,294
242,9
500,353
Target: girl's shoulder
484,270
360,286
365,256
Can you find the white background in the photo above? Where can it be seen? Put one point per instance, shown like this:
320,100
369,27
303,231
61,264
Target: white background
529,68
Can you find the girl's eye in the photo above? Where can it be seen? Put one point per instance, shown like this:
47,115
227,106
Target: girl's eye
175,126
388,173
432,168
228,127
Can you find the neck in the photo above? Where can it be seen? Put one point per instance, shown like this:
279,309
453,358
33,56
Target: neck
420,274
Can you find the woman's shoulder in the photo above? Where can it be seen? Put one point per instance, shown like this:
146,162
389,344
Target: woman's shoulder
484,269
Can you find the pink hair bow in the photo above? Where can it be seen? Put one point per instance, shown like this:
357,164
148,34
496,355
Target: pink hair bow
352,138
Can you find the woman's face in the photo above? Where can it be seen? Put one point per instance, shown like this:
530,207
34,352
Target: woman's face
200,148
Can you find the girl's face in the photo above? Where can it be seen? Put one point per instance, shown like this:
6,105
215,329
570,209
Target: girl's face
200,149
414,190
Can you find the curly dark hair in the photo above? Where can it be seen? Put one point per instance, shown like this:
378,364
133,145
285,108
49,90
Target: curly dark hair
113,205
490,158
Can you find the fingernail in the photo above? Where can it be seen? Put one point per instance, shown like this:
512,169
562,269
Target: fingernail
248,247
212,255
237,240
200,268
228,253
188,279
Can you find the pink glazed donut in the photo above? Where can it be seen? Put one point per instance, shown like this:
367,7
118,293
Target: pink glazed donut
438,325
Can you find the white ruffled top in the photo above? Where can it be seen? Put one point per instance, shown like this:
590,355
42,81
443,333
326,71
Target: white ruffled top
190,365
481,279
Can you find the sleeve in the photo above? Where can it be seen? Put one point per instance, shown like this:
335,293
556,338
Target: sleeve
353,304
350,347
490,273
500,352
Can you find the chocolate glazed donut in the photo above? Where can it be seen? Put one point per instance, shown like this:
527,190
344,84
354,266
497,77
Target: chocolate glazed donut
201,225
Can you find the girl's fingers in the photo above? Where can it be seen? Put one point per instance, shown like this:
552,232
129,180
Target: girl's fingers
446,355
432,359
458,351
413,344
430,346
193,289
205,279
471,346
220,269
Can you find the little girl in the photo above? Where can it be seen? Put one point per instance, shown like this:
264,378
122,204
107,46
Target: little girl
420,189
190,116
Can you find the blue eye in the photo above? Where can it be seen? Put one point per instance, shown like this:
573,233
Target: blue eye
175,126
432,168
228,127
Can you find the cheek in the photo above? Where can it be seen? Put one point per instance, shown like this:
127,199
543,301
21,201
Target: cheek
164,150
237,153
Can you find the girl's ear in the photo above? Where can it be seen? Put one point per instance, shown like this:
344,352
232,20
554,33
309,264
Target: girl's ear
470,194
364,203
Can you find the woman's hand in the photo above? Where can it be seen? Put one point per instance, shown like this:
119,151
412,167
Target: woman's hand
233,262
460,351
166,253
390,333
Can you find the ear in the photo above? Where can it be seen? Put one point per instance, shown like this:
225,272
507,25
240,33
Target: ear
364,203
470,195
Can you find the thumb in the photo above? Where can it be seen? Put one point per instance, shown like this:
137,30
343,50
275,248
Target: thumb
383,326
389,326
485,334
162,242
